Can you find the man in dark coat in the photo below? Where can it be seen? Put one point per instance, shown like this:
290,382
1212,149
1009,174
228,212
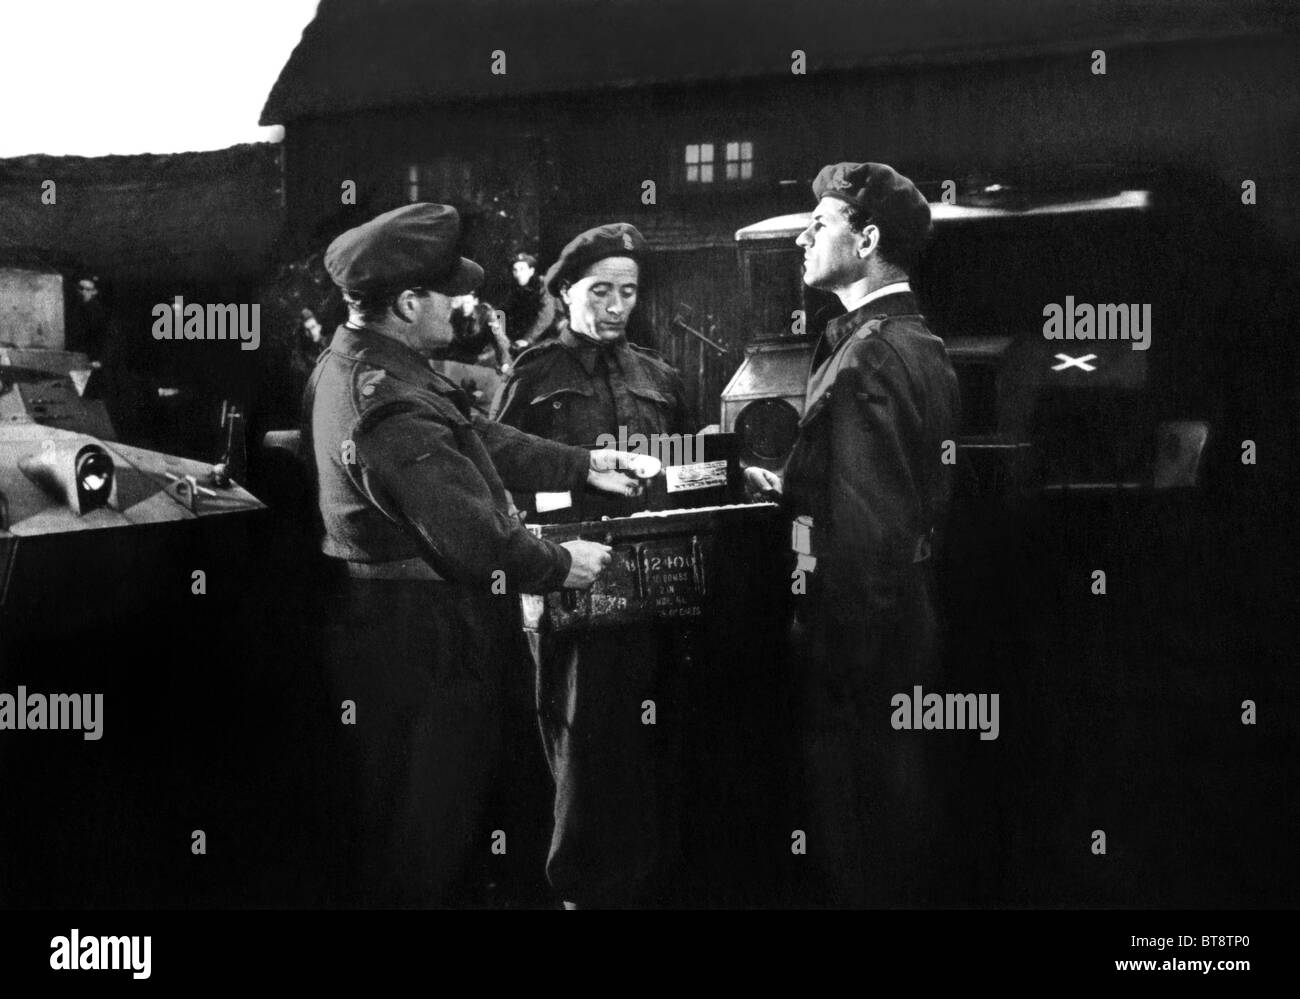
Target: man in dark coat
412,488
90,326
617,779
868,484
529,309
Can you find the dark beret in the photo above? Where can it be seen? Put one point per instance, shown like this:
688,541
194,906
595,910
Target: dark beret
617,239
525,258
889,199
410,247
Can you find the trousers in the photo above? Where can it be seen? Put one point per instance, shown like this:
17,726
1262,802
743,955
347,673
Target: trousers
413,680
616,759
873,795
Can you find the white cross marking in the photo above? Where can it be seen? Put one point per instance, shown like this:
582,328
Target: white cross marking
1075,362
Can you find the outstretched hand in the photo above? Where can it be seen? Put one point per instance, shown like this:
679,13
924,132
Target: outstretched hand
621,472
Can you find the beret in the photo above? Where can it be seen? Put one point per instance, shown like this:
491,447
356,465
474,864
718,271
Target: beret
617,239
890,200
412,246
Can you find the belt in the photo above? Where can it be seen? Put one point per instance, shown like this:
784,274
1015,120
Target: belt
406,568
801,534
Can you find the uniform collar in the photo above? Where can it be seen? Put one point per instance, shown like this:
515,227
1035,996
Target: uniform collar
588,352
891,301
381,351
882,302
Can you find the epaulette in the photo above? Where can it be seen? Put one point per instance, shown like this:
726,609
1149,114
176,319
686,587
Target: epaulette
649,352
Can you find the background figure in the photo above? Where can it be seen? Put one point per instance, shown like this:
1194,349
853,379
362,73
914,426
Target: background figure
530,310
478,337
301,307
89,322
478,354
304,349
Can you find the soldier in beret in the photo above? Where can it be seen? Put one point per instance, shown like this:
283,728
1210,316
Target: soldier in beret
616,779
591,379
867,487
412,491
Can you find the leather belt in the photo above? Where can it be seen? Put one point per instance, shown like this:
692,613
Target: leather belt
406,568
801,534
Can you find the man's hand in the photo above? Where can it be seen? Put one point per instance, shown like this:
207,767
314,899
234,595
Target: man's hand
613,471
589,561
761,484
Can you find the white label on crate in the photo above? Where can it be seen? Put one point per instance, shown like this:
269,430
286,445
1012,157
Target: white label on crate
702,475
801,535
546,502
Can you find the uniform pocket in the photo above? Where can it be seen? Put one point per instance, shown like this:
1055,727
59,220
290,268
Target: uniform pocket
561,414
556,398
650,394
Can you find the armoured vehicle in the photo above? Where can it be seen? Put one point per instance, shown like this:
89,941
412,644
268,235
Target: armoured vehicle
127,579
78,508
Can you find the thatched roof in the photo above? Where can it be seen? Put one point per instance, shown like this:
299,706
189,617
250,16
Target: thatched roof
178,217
362,54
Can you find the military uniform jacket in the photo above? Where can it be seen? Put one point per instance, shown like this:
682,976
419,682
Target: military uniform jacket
572,390
867,467
406,469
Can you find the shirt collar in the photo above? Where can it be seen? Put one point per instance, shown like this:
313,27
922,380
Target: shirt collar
881,292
